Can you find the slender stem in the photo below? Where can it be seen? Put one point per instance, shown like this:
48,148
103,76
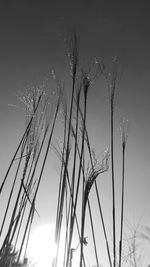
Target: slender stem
122,204
59,192
28,235
93,234
82,228
113,183
83,189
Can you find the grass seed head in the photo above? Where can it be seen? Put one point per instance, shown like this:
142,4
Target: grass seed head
72,44
124,130
95,170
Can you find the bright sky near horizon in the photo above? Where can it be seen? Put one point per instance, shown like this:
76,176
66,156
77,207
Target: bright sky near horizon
31,45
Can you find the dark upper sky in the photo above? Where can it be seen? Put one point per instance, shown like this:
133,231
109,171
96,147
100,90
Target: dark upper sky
30,30
31,44
31,37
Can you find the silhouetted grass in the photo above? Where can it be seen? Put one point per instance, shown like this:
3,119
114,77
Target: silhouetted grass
79,170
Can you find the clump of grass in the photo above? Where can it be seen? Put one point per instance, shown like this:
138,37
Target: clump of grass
31,146
73,56
24,143
80,166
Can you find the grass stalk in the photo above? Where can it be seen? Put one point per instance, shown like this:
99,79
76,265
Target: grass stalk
124,133
112,87
113,188
73,54
122,207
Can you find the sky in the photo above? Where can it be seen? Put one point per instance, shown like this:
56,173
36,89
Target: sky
32,44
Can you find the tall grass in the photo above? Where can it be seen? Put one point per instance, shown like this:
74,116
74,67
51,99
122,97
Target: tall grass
36,101
79,169
73,55
112,95
40,177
